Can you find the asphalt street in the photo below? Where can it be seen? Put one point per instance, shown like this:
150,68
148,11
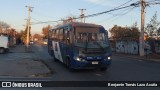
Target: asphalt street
122,69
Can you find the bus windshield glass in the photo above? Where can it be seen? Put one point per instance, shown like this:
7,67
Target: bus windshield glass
90,37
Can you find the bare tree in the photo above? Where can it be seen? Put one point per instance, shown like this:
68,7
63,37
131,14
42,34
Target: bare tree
152,29
3,26
45,31
124,33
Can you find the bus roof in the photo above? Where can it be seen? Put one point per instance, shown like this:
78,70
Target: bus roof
78,24
85,24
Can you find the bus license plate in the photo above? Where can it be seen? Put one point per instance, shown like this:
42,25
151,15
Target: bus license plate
94,62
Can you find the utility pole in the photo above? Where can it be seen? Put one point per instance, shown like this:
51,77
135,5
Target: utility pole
141,39
28,29
82,15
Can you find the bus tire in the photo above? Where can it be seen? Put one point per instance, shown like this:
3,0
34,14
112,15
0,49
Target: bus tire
55,59
2,50
68,63
103,68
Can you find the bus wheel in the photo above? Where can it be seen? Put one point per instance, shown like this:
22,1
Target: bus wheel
103,68
2,50
55,59
68,63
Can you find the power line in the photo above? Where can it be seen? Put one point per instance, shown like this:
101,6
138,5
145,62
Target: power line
35,19
117,6
93,15
46,22
124,4
153,1
137,4
156,3
123,14
117,16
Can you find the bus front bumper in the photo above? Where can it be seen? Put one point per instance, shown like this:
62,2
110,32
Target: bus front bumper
91,64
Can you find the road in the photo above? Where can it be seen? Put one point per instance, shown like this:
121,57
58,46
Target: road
122,69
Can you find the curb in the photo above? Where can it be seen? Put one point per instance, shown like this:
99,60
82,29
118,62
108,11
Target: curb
51,71
144,59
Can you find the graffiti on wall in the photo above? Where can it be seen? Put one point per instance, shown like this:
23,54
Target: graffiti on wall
131,47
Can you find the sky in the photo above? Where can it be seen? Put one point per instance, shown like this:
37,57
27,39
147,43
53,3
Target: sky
15,13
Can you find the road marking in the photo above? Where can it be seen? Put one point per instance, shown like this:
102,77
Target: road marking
99,74
140,60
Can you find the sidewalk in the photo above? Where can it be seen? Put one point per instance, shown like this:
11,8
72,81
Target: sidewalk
18,49
19,63
154,58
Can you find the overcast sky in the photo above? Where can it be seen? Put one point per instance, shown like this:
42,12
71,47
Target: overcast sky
14,12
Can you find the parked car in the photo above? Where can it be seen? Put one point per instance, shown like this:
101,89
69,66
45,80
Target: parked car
31,42
45,42
4,44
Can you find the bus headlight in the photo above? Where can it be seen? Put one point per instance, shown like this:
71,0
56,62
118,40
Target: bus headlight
109,58
79,59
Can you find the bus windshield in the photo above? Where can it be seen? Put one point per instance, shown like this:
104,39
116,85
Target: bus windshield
90,37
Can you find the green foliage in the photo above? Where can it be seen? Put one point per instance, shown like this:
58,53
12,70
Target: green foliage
23,35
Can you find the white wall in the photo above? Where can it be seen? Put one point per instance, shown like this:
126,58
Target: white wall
129,47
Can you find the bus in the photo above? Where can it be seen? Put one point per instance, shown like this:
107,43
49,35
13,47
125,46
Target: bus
80,46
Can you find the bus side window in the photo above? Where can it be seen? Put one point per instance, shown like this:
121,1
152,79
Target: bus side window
79,37
57,35
68,38
53,35
61,35
65,36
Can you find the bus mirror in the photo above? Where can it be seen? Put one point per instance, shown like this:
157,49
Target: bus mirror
67,41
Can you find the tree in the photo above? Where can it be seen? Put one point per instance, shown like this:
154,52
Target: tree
152,28
45,31
124,33
3,25
158,31
37,36
23,35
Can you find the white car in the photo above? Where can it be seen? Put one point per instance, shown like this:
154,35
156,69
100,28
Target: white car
4,44
45,42
31,42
